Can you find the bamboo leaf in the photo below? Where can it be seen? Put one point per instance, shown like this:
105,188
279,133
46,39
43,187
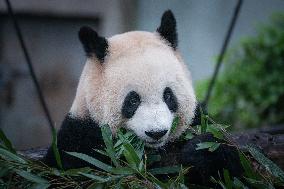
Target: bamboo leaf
6,142
204,122
96,186
227,179
129,136
40,186
267,163
55,149
246,164
31,177
130,154
214,147
101,152
182,172
91,160
107,137
122,170
238,184
141,167
174,124
75,172
95,177
164,170
259,184
180,177
217,133
218,182
5,154
207,145
188,135
156,181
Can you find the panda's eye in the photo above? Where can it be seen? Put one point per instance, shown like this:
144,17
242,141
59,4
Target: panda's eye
167,96
134,101
170,99
130,104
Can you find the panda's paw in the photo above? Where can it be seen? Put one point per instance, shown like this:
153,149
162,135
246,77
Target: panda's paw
206,164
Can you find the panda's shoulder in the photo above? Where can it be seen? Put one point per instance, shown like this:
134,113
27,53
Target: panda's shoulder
81,128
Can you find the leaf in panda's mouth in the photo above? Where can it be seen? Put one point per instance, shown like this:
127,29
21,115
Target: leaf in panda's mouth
174,124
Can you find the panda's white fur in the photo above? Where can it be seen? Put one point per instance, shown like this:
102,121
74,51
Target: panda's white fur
145,63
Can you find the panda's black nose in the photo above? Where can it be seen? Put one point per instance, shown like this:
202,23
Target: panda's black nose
156,134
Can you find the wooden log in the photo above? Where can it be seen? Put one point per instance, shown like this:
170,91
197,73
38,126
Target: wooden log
269,141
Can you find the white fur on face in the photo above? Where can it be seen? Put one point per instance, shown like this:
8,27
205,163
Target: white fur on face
151,117
144,63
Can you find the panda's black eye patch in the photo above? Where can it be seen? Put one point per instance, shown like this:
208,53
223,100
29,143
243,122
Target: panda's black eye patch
170,99
130,104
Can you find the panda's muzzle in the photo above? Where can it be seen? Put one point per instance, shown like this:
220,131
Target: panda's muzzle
156,134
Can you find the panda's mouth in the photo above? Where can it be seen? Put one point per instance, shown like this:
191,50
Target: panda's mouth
155,144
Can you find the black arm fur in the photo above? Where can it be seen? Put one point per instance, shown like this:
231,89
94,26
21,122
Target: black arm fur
206,163
76,135
202,162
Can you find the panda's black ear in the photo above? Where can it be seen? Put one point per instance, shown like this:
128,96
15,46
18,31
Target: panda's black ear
167,29
94,45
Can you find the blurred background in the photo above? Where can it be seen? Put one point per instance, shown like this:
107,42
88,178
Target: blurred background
249,91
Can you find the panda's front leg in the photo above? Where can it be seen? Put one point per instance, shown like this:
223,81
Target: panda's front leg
81,135
206,164
203,163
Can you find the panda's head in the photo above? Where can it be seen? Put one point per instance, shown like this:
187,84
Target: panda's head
136,80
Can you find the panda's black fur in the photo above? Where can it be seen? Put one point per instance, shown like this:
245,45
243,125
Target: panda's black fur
83,135
94,45
77,135
130,104
204,163
168,29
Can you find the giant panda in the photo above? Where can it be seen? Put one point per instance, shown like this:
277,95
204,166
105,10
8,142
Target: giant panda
137,80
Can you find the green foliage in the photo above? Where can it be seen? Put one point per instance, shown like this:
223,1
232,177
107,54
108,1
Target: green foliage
271,167
55,149
6,143
217,130
175,124
128,166
253,178
127,169
211,146
250,90
247,166
91,160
